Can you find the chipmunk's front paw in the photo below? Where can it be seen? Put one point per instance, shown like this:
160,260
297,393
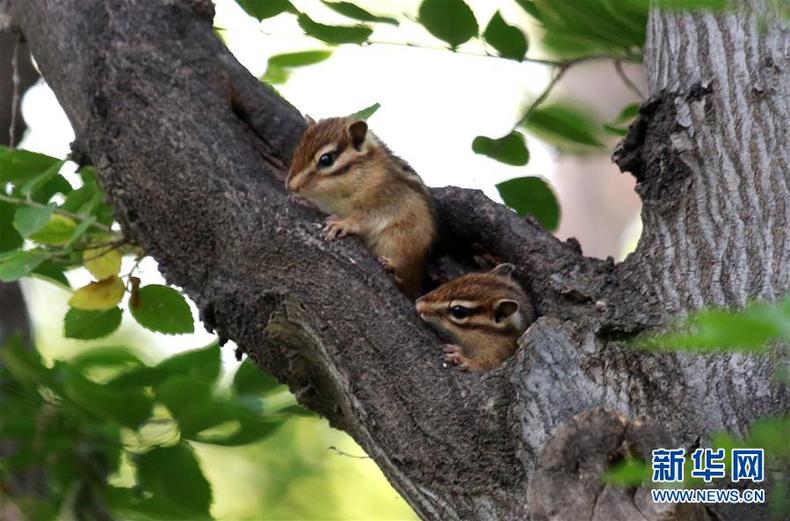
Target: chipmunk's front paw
335,227
454,355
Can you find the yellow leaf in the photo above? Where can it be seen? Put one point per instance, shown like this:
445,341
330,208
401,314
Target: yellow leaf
98,296
101,262
56,232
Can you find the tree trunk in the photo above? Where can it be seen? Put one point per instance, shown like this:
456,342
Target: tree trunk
193,150
14,319
13,313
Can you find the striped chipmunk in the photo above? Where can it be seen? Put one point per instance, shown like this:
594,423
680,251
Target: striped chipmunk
483,313
348,173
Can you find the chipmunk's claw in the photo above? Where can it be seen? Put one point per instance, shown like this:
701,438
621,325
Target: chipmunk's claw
453,355
334,227
387,264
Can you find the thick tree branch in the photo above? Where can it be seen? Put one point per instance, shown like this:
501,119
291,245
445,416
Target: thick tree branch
192,150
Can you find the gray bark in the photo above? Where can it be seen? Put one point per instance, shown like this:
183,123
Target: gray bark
192,151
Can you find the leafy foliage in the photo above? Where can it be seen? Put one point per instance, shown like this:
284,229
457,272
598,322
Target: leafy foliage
449,20
510,149
334,34
279,67
507,39
262,9
132,397
89,325
531,196
161,309
350,10
366,112
564,127
753,329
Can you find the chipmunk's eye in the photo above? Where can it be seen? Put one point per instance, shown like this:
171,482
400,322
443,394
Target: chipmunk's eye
326,160
459,311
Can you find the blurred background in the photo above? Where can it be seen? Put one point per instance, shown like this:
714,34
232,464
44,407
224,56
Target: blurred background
433,103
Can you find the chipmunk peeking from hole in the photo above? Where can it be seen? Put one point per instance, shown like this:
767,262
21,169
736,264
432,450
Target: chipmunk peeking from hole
347,172
483,313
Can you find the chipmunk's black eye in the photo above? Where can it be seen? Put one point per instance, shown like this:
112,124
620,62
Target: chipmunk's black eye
326,160
459,311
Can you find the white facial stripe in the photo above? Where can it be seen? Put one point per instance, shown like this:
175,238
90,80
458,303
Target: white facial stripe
324,150
465,303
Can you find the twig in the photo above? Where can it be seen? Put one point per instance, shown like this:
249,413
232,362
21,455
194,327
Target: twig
15,94
560,72
618,66
342,453
64,213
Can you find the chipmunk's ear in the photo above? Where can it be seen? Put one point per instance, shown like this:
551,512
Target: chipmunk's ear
357,130
504,308
310,121
504,270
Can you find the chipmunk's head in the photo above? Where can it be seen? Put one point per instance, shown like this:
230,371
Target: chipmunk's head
327,161
477,306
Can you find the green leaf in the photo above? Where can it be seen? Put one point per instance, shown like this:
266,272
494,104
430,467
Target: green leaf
98,296
24,363
605,26
510,149
619,126
262,9
102,262
275,75
251,380
334,34
56,232
508,40
9,237
29,220
299,59
531,196
173,476
366,112
563,126
357,13
715,330
128,407
278,68
449,20
54,185
87,325
199,364
39,180
161,309
19,165
51,273
630,472
109,356
18,264
209,419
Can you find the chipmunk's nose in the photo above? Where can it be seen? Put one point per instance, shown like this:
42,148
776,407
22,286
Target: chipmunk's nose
421,307
289,184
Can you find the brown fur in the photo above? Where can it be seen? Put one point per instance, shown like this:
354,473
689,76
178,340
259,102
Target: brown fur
489,334
368,191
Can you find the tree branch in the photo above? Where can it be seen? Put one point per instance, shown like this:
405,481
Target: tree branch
192,150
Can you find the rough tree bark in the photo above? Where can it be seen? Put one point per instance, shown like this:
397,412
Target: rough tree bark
192,151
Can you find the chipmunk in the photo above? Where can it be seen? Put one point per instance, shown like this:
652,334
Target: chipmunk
348,173
484,314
